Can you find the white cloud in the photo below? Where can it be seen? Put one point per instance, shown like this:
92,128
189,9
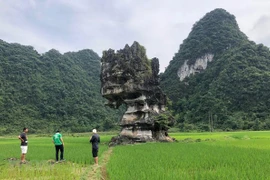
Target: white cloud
32,3
159,25
16,26
260,30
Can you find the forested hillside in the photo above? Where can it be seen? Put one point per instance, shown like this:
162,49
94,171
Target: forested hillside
62,91
51,91
233,92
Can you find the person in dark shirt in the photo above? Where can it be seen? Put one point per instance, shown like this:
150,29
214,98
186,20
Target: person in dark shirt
24,143
95,140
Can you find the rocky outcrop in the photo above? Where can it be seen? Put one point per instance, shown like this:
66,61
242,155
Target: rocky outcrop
129,77
200,64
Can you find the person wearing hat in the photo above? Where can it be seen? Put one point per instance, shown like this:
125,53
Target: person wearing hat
59,145
95,140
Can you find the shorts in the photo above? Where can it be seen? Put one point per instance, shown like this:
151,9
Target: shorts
24,149
95,152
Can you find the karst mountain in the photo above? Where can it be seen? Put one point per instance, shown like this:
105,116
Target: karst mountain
219,79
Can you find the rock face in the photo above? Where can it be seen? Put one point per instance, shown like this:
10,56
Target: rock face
129,77
200,64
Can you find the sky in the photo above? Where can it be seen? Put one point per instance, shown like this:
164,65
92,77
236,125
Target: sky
159,25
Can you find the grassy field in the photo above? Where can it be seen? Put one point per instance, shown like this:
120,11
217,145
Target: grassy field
223,155
238,155
41,155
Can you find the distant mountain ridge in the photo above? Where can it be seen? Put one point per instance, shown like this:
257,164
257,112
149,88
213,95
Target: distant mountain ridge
219,79
51,91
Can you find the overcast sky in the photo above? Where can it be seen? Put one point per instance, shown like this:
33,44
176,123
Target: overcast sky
159,25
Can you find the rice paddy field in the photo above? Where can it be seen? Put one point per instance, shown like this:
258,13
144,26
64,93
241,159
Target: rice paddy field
41,158
218,155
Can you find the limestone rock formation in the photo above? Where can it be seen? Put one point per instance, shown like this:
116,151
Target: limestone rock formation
200,64
129,77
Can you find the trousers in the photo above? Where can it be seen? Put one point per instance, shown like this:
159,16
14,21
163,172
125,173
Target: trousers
57,148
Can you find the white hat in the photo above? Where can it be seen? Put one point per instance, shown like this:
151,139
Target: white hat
94,131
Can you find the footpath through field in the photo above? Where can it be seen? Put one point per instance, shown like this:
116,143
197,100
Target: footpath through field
99,172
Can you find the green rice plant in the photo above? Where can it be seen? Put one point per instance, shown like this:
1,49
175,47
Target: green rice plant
236,157
224,155
41,155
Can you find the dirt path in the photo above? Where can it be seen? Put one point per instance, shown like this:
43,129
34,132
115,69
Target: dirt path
99,172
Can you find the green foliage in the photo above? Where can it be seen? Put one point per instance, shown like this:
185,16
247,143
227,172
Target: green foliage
233,92
196,156
50,91
162,121
41,156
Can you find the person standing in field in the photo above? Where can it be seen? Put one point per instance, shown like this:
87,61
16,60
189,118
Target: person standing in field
59,145
24,143
95,139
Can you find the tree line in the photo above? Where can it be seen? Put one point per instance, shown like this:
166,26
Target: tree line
50,91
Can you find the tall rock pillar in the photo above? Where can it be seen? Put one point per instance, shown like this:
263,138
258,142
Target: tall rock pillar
129,77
